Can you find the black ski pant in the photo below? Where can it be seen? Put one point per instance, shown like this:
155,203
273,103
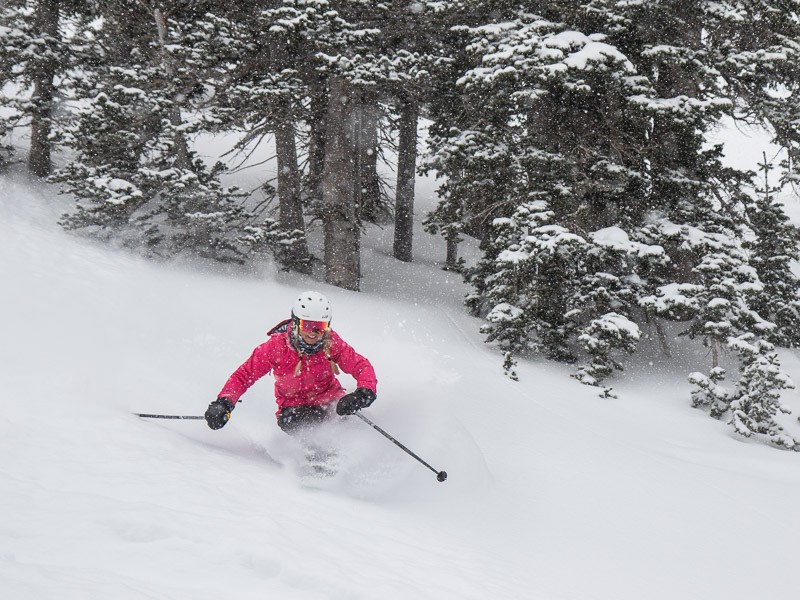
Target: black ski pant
296,418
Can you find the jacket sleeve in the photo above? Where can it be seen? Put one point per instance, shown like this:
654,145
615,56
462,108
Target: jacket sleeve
253,369
352,363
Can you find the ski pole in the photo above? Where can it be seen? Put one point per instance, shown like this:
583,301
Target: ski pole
169,416
440,475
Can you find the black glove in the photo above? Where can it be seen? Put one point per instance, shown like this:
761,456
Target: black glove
355,401
218,413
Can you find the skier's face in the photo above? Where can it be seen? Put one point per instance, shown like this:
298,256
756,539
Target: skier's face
312,331
311,336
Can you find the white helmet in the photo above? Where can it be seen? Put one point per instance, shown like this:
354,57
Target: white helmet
311,306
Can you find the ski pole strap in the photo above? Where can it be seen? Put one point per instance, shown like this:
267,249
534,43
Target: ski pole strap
146,416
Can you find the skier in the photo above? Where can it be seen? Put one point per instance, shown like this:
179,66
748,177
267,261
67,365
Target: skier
304,355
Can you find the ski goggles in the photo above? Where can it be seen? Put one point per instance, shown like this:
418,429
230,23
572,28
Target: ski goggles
307,326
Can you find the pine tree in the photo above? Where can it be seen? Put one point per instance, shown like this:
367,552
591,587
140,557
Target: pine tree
134,176
39,63
756,402
593,118
6,148
580,176
262,95
709,393
525,288
756,50
11,31
605,306
772,251
361,52
294,50
409,50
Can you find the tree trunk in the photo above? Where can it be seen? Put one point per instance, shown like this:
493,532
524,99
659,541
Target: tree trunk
316,143
182,158
294,257
714,354
39,162
365,133
339,181
406,174
451,261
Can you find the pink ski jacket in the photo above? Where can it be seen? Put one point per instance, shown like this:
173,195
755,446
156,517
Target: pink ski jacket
316,383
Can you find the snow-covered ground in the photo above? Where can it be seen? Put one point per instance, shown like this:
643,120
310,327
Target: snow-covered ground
553,493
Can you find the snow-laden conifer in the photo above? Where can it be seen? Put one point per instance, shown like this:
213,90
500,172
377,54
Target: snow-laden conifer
134,176
772,244
600,116
44,46
709,393
756,404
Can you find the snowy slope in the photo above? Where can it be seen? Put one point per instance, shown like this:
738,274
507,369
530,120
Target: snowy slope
553,493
